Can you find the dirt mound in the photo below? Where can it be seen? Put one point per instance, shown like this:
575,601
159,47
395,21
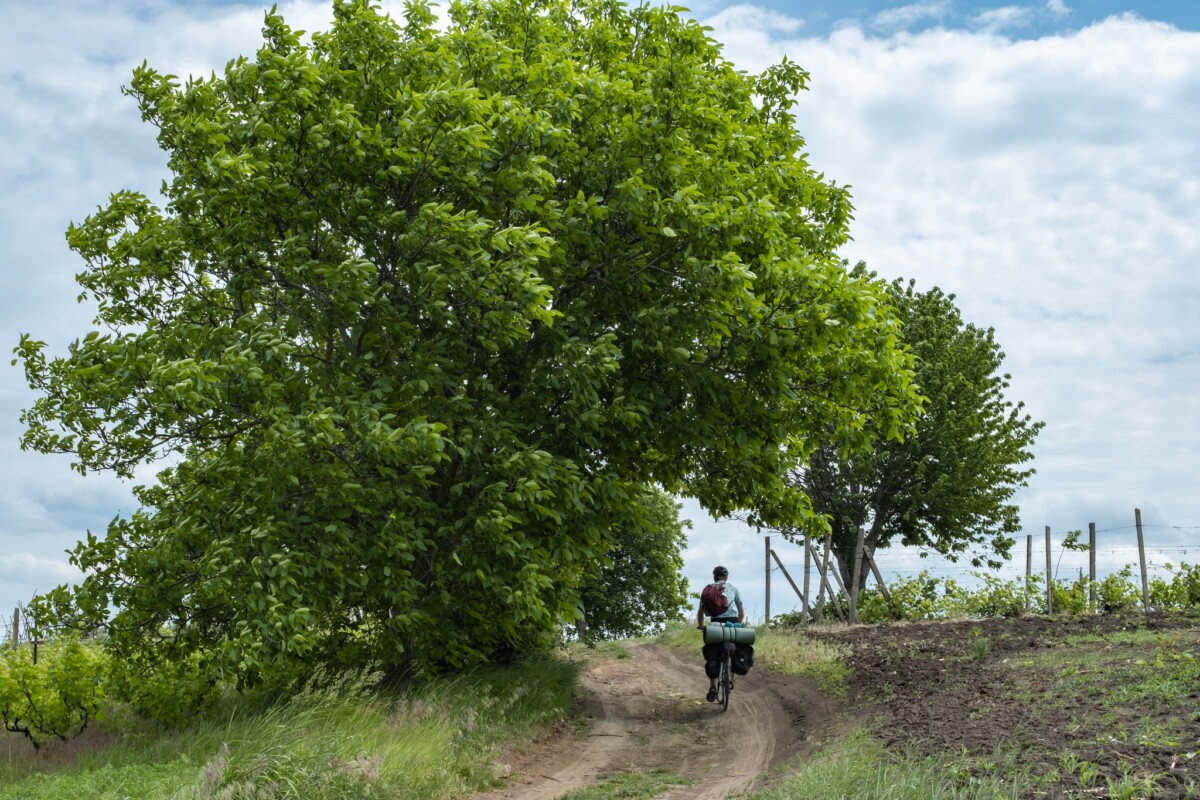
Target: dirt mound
647,711
989,687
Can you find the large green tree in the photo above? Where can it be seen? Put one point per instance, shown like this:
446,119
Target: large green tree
426,307
947,487
642,586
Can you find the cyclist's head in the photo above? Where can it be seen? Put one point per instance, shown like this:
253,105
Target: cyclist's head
720,573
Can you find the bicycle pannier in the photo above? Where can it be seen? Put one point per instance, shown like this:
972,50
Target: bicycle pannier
712,660
743,659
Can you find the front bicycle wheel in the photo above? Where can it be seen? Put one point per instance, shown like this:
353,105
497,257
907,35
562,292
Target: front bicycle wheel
724,683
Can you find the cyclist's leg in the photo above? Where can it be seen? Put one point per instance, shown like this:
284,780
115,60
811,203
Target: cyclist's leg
712,679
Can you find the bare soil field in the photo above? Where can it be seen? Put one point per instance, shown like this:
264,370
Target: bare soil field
1073,702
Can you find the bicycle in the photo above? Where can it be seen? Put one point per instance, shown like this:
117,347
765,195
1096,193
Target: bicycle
725,679
733,638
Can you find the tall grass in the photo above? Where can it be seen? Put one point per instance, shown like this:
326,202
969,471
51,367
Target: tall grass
785,650
332,742
339,741
791,652
857,767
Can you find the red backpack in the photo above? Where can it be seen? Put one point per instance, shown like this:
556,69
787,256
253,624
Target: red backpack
713,600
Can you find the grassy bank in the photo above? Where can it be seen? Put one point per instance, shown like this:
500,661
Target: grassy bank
1092,707
343,741
972,710
785,650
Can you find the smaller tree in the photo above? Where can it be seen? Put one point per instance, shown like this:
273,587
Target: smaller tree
53,696
948,484
641,588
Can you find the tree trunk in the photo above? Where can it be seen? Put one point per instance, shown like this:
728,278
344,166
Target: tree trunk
399,675
845,554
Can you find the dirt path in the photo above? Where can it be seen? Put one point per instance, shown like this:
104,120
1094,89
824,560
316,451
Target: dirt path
648,712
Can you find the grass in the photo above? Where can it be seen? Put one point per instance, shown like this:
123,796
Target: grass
783,650
1126,690
346,741
789,652
110,782
856,766
343,741
605,647
629,786
1140,668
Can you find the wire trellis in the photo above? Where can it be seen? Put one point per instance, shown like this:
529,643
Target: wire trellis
16,627
1062,559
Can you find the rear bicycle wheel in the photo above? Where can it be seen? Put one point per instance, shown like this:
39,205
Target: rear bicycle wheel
724,683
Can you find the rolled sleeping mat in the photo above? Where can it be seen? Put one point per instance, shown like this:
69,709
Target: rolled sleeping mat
714,634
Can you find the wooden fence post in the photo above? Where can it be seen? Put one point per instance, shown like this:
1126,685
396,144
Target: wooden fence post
823,568
826,586
788,576
1137,517
15,637
819,603
1092,567
1028,568
855,574
1049,578
837,577
767,587
807,563
883,589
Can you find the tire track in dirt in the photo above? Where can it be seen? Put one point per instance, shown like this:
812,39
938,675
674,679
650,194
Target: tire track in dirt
648,712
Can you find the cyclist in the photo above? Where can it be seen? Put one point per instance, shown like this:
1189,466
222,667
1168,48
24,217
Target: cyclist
734,612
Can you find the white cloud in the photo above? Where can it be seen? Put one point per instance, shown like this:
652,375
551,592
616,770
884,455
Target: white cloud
1004,18
903,17
1050,183
1014,18
1057,8
752,27
24,574
27,566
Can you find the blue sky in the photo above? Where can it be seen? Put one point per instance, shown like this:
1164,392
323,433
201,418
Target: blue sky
1023,20
1037,159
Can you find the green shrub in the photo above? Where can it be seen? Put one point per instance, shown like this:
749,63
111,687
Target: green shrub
1181,592
1071,598
787,619
170,692
57,696
916,598
1000,598
925,597
873,608
1117,592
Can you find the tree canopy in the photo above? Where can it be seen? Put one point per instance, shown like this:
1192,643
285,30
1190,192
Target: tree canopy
947,486
427,306
642,587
